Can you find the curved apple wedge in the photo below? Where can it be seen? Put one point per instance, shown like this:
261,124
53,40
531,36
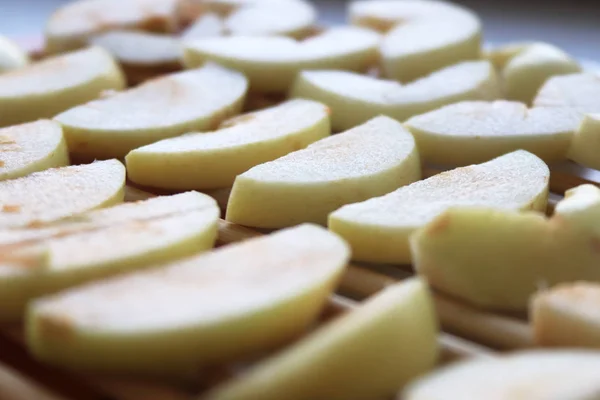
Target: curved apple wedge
305,186
102,243
473,132
213,160
53,85
162,108
354,98
272,63
378,229
235,301
534,375
50,195
31,147
369,353
498,258
11,55
205,26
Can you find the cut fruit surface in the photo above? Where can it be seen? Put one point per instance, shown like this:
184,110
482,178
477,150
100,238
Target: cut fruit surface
497,258
354,98
378,229
53,85
31,147
305,186
387,341
11,55
272,63
165,107
234,301
473,132
213,160
60,192
205,26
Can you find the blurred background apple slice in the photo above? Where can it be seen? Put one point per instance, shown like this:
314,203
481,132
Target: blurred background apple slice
11,55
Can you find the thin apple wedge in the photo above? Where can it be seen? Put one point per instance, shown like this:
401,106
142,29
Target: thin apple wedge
161,108
378,229
235,301
31,147
305,186
205,26
586,143
369,353
213,160
476,131
53,85
57,193
498,258
531,375
11,55
102,243
73,24
272,63
354,98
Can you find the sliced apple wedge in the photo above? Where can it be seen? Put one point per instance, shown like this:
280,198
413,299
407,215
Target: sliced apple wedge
497,258
525,67
272,63
60,192
387,341
476,131
48,87
31,147
73,24
11,55
425,35
305,186
531,375
213,160
102,243
354,98
205,26
165,107
378,229
586,143
235,301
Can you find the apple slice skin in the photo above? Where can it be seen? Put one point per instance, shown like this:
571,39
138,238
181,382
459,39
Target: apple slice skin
368,353
31,155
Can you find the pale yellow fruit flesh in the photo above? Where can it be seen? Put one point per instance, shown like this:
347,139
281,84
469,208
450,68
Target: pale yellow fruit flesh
473,132
497,259
165,107
103,243
369,353
57,193
272,63
31,147
53,85
213,160
586,144
531,375
205,26
235,301
11,55
378,229
305,186
354,99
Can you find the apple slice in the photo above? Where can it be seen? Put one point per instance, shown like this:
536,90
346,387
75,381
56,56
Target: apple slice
213,160
476,131
354,98
235,301
586,143
567,316
378,229
48,87
60,192
73,24
102,243
165,107
305,186
526,66
11,55
205,26
31,147
369,353
498,258
531,375
272,63
425,35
